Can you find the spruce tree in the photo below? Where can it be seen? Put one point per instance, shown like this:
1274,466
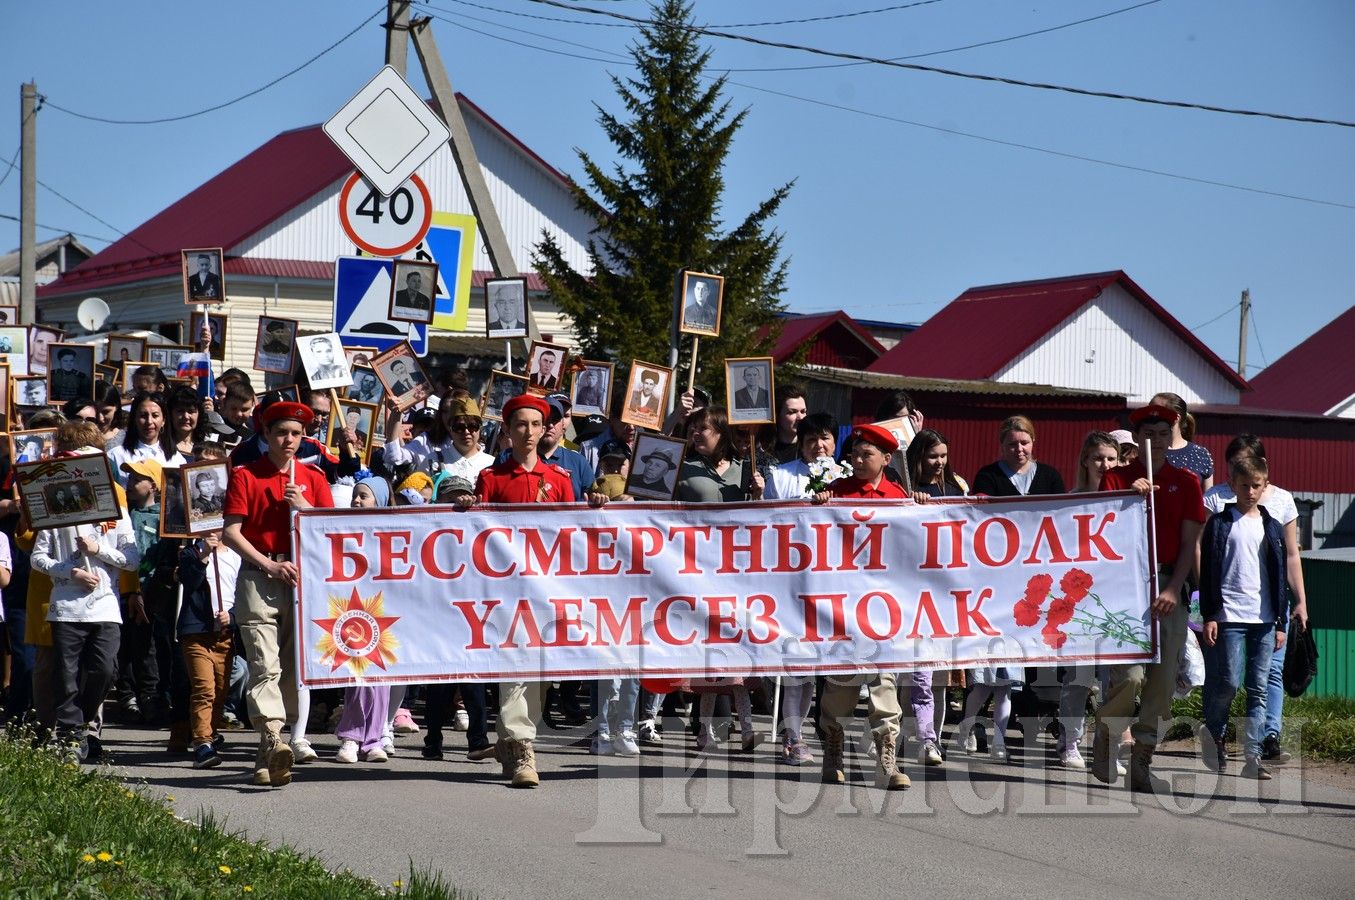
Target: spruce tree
659,210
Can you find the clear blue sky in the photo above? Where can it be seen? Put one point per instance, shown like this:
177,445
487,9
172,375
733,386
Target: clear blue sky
887,220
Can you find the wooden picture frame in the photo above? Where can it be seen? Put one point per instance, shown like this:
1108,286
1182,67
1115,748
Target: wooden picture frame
655,466
402,375
206,510
9,316
698,312
366,387
502,296
21,391
167,357
203,283
289,392
173,507
592,396
275,345
647,404
501,387
41,439
338,420
72,490
75,382
123,347
359,356
14,348
745,396
39,348
218,323
421,304
108,374
543,383
129,368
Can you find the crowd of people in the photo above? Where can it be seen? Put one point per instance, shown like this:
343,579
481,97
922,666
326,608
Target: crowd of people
195,635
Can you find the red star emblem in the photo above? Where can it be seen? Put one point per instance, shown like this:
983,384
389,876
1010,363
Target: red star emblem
358,632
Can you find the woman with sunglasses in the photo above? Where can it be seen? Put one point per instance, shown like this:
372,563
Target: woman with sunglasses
451,446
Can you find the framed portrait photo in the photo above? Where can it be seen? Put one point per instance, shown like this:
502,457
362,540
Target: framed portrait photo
72,374
359,356
590,394
167,357
217,323
204,486
506,307
361,418
29,391
546,367
654,467
40,340
128,375
502,387
173,507
323,361
414,284
14,349
366,387
204,278
73,490
275,345
402,376
32,445
288,392
749,393
122,347
9,315
646,395
107,372
701,300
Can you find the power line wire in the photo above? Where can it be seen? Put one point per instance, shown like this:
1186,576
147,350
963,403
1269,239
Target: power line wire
846,15
1251,314
1215,319
92,237
953,73
13,160
218,106
106,224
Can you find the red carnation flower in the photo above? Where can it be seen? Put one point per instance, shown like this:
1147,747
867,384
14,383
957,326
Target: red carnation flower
1038,588
1075,584
1053,637
1060,612
1025,613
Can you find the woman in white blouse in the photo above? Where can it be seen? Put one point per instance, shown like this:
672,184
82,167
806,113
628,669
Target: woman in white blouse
147,436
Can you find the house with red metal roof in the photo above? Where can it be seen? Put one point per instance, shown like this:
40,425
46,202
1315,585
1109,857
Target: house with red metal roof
828,339
1099,332
276,214
1317,376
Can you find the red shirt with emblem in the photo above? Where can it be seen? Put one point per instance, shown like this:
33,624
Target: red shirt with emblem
256,492
1178,499
859,489
509,482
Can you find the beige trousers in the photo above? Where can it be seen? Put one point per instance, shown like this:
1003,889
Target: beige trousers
519,709
264,610
1152,683
837,706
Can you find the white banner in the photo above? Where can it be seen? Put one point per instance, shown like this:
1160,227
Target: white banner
545,592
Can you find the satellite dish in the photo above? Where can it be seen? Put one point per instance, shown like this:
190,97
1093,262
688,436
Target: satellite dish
92,314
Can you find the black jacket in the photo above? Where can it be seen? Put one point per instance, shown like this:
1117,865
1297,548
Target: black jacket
1213,547
993,482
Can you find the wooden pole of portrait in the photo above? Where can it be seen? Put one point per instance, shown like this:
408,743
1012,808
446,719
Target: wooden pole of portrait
216,575
691,373
508,356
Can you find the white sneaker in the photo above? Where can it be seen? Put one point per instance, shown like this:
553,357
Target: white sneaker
1070,758
649,734
602,745
929,754
971,743
303,752
462,721
348,752
625,745
375,755
388,743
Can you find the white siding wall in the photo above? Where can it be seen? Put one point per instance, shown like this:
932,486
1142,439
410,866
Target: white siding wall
1115,344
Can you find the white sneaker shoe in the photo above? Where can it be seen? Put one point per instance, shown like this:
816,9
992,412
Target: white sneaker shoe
929,754
462,721
1070,758
375,755
625,745
602,745
388,743
649,734
348,752
303,752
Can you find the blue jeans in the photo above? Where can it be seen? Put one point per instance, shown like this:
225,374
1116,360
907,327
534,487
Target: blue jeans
1223,674
615,704
1275,693
21,666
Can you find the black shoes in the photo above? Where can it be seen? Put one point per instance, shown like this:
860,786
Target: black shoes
1271,752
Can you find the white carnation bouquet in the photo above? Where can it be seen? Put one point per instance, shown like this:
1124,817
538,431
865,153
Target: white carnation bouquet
823,472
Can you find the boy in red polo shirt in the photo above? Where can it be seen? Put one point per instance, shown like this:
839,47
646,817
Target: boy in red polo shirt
522,478
258,510
1178,507
871,449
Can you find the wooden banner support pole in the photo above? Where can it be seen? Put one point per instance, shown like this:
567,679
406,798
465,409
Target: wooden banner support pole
691,373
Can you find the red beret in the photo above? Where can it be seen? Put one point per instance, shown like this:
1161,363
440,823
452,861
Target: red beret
286,409
526,401
1153,411
876,435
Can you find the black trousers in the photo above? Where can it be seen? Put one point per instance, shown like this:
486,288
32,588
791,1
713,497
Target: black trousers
86,661
438,704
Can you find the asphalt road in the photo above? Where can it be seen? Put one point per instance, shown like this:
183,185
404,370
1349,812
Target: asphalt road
737,825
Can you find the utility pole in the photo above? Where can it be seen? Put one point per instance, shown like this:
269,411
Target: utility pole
397,35
1242,334
28,202
467,162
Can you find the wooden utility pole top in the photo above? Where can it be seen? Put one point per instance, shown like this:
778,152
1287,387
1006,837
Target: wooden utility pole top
397,35
1242,334
28,203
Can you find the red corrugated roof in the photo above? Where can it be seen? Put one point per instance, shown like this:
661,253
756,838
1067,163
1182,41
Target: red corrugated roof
985,328
799,330
1313,377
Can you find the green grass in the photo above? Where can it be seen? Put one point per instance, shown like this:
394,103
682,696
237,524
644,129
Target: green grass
72,831
1328,732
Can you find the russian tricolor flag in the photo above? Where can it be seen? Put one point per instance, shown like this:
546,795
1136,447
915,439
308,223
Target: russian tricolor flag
199,366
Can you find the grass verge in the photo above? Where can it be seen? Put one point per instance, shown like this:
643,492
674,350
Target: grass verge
1314,727
72,831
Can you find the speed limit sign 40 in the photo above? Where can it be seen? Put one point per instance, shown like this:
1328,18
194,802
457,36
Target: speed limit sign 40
385,226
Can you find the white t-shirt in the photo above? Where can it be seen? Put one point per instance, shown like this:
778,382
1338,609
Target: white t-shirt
6,563
1277,501
1241,584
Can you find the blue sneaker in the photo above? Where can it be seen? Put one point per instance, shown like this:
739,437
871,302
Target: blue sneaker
206,757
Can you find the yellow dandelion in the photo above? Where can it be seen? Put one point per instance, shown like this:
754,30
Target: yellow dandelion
103,856
117,862
397,883
224,870
169,797
248,889
195,849
87,858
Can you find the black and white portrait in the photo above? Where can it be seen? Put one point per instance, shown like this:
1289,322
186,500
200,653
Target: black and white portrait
202,278
30,390
14,349
173,512
9,315
72,374
653,471
646,395
205,486
275,345
216,322
414,284
546,367
358,420
323,360
366,387
748,389
124,347
402,376
701,296
40,341
591,392
502,387
506,307
358,356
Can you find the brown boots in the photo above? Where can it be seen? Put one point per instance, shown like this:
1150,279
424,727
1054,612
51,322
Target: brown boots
834,771
887,774
273,762
519,762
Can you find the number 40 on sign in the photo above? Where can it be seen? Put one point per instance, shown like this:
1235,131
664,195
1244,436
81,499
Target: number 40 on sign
385,226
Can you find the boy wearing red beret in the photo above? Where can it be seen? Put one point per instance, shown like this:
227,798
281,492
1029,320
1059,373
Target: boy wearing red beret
258,510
